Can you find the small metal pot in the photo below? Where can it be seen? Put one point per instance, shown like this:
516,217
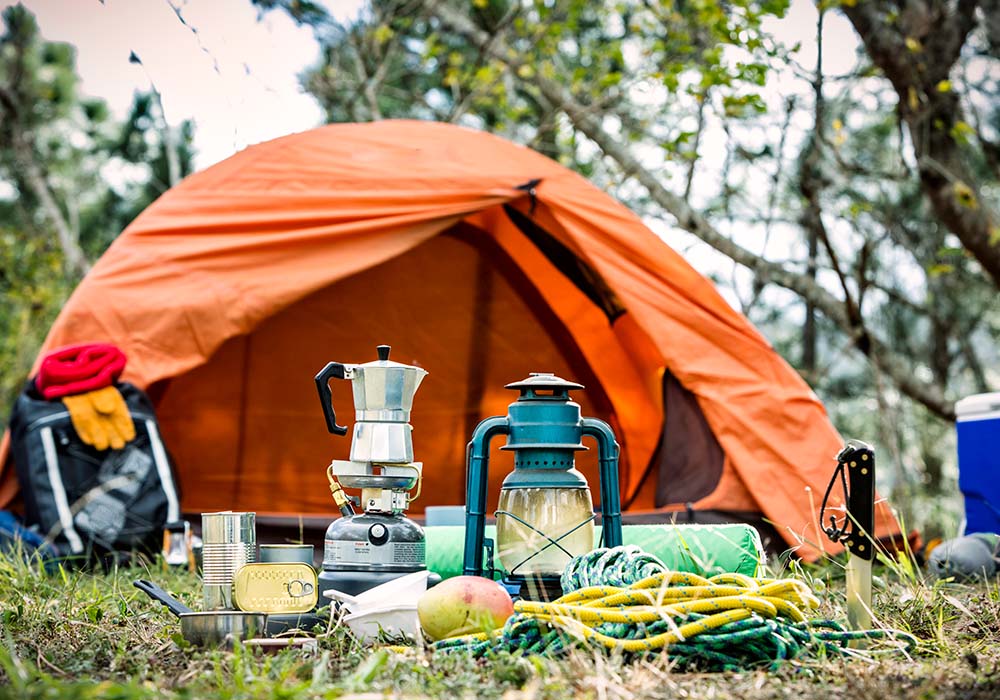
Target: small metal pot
214,628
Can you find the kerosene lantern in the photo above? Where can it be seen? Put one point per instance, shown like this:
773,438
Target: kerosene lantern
545,515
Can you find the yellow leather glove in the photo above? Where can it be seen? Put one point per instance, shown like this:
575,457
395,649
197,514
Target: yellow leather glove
85,420
114,415
101,418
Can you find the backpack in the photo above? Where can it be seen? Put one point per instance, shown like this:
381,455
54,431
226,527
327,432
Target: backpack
92,503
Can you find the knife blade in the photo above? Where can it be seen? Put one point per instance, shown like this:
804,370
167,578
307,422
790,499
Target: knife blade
859,593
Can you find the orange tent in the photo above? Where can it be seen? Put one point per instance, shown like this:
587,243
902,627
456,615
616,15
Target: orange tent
480,261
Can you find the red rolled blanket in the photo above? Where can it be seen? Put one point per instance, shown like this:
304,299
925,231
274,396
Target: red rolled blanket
79,368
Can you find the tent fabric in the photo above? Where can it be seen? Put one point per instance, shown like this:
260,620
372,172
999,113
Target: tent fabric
475,258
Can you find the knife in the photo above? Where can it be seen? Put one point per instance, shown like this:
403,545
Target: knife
858,461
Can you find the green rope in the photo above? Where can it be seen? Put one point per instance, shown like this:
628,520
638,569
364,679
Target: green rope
753,641
618,566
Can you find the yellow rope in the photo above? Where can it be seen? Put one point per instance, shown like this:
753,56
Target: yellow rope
663,595
685,631
724,598
671,578
590,593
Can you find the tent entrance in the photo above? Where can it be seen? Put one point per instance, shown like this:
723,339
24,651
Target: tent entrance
688,463
563,259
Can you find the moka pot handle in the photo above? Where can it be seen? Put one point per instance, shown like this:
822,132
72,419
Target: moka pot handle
333,370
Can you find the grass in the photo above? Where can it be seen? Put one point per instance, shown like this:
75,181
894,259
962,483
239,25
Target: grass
89,635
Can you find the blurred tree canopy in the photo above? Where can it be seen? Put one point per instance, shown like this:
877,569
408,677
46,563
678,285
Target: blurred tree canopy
71,178
852,217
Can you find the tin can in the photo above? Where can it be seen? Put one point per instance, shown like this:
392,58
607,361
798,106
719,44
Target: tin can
286,553
276,588
229,541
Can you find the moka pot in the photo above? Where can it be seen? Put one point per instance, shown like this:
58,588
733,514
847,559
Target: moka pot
363,550
383,398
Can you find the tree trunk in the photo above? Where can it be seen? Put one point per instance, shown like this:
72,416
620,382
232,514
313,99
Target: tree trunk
169,139
809,327
807,173
75,260
917,51
24,155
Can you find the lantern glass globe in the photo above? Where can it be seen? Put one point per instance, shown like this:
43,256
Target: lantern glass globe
551,513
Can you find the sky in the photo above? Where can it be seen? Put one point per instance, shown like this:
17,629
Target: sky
235,75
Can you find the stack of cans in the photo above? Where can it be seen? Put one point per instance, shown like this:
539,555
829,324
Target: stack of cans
282,585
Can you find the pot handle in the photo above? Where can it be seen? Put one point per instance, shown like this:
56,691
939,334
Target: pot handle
156,593
333,369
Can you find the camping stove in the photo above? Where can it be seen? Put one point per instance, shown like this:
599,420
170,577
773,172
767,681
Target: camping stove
367,549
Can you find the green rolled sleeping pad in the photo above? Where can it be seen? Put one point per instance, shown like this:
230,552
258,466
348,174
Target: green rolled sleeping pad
698,549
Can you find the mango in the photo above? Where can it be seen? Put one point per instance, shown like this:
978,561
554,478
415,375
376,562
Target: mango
463,605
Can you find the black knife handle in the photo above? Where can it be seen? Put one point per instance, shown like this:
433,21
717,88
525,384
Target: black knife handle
858,460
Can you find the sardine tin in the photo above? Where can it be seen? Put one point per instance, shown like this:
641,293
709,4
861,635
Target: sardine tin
275,588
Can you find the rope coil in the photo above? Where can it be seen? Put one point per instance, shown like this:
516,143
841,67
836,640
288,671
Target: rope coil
618,566
726,622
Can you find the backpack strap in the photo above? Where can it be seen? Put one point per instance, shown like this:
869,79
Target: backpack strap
163,469
59,492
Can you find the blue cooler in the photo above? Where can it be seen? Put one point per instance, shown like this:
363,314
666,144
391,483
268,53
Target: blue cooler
979,460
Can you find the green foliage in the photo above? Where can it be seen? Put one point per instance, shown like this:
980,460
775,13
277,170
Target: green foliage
302,11
33,287
75,146
395,63
138,141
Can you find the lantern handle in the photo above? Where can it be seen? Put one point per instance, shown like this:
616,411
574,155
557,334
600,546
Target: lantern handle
477,461
611,504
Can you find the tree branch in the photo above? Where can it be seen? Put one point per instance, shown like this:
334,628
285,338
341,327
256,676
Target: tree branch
687,218
973,363
689,181
365,83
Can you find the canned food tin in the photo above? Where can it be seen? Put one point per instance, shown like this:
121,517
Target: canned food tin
287,553
229,541
275,588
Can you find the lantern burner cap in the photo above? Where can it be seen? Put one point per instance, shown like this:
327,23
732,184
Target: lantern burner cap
544,381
